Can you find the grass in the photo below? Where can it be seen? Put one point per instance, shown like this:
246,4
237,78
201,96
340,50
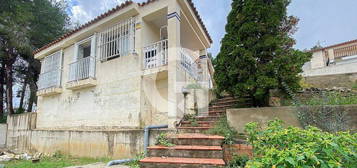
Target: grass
57,161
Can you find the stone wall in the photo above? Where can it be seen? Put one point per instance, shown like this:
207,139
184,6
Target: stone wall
238,118
3,130
330,81
118,144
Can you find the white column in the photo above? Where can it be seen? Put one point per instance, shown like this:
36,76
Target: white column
174,42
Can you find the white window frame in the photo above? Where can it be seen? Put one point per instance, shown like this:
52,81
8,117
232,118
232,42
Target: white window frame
48,70
80,63
118,40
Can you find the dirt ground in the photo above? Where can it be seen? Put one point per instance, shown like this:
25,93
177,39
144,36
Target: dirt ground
98,165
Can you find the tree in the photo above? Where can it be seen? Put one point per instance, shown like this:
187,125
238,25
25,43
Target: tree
257,51
24,26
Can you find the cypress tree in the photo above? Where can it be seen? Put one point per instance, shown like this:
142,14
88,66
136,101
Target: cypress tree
257,51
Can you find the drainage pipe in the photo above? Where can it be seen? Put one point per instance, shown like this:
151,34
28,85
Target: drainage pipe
146,144
147,135
116,162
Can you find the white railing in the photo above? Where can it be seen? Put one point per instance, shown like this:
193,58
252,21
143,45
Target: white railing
118,40
156,55
190,66
83,68
49,79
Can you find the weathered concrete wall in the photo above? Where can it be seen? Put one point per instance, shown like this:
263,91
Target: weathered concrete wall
330,81
332,70
107,143
3,132
238,118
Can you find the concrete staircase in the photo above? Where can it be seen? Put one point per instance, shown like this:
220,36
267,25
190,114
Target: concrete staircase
192,149
218,107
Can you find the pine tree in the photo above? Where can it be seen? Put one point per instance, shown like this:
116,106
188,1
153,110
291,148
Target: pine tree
257,51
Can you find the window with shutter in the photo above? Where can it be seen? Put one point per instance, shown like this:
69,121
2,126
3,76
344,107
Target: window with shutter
51,71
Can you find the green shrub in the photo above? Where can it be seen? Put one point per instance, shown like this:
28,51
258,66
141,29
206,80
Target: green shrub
222,128
291,147
238,162
163,141
3,119
331,98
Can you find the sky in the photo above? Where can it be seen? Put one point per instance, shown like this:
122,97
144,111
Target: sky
325,21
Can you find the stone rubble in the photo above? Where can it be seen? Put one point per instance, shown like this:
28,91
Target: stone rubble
6,156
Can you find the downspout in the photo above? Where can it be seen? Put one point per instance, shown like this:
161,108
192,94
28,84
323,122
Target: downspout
147,135
146,144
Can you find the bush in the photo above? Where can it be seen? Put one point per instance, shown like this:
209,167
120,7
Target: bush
222,128
3,119
163,141
238,162
279,147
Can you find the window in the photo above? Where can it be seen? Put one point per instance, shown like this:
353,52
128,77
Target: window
118,40
83,65
51,71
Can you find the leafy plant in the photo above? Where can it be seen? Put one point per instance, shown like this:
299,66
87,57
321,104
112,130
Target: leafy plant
238,162
192,119
136,162
222,128
276,146
163,140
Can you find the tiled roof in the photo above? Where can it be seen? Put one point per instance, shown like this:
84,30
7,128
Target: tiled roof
200,19
110,12
336,45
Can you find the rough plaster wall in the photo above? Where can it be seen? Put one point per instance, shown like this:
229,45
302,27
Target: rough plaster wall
3,131
238,118
118,144
155,101
114,102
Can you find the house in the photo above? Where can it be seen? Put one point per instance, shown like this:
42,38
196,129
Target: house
127,68
334,65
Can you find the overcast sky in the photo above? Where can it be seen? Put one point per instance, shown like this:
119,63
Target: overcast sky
327,21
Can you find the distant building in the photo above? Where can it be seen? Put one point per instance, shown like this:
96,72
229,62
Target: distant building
333,60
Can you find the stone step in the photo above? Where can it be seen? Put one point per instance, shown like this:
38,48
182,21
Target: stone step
207,118
221,106
196,139
173,162
186,151
192,129
200,123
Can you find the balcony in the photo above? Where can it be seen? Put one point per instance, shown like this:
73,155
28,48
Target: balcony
81,73
189,65
49,83
156,55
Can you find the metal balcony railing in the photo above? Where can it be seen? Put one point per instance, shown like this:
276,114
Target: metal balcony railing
156,55
83,68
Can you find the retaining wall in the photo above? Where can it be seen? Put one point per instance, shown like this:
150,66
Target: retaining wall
3,130
24,137
238,118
